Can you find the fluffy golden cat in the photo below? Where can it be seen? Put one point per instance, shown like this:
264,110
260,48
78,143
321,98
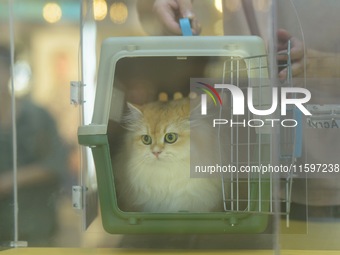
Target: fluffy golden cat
152,171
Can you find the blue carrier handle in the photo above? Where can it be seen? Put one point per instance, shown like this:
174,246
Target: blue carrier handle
185,26
297,114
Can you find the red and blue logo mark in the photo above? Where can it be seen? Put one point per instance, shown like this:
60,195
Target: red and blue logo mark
213,94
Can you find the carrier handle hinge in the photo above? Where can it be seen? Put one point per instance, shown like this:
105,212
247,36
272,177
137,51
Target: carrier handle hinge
77,197
77,93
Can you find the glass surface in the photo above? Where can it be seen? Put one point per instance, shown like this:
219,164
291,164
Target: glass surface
6,146
48,50
46,40
315,199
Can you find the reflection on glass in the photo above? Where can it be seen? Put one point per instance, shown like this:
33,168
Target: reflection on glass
99,9
151,158
52,12
41,163
118,12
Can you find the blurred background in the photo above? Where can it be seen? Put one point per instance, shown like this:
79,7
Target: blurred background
47,48
49,38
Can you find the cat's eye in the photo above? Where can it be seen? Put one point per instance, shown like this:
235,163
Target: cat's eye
146,139
170,137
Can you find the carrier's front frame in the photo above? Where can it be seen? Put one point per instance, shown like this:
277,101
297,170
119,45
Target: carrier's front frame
110,104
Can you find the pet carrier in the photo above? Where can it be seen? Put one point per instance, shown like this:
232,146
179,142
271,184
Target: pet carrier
149,65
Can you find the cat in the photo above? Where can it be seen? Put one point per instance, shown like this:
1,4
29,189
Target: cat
152,171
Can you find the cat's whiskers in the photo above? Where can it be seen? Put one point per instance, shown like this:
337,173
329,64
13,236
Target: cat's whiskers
136,163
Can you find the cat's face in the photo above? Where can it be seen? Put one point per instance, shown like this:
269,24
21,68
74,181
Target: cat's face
160,131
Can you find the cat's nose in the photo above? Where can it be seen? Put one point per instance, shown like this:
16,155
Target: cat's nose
156,153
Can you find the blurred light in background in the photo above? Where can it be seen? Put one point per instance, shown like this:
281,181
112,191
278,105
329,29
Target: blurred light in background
118,12
261,5
22,78
52,12
233,5
218,5
33,10
99,9
218,27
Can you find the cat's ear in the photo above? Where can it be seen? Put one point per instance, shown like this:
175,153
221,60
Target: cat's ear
135,111
133,116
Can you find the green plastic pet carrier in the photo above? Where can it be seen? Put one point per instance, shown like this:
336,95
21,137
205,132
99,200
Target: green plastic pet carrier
171,64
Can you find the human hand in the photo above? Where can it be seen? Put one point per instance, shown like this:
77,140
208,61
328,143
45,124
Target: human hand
297,53
168,12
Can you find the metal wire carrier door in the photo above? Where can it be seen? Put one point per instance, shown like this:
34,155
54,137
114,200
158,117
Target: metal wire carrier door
249,186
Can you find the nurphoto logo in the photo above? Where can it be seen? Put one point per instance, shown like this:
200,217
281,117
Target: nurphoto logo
295,97
212,92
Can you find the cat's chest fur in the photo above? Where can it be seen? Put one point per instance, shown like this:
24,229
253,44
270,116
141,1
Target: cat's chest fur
167,187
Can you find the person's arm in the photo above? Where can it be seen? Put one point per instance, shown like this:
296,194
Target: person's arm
161,17
315,63
297,53
323,64
147,18
27,176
